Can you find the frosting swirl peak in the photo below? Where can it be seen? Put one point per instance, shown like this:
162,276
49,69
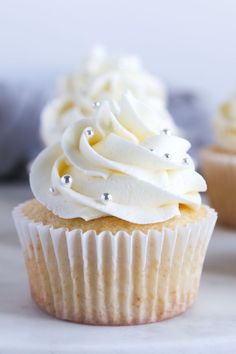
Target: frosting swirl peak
122,162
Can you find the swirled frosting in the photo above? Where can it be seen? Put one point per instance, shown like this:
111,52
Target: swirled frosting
224,125
123,153
101,77
105,76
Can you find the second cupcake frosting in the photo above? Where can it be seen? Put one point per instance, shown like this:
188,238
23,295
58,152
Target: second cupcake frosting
123,162
224,125
105,76
101,77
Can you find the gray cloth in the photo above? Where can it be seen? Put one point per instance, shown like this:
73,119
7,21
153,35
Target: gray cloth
20,108
191,114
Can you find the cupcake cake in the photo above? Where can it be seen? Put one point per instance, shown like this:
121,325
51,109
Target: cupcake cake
219,163
116,234
101,77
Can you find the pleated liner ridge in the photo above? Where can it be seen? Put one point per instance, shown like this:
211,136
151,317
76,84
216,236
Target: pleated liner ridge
114,279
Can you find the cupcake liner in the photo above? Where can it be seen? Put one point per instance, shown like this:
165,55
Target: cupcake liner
114,279
219,170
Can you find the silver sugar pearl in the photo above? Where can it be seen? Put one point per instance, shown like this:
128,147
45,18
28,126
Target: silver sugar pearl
52,190
96,104
167,156
89,132
151,149
166,132
186,160
106,197
66,181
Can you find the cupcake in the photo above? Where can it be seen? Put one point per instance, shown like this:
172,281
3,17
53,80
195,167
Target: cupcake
116,234
219,164
101,77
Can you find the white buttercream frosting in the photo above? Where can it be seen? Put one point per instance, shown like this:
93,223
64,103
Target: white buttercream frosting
122,151
224,125
101,77
104,76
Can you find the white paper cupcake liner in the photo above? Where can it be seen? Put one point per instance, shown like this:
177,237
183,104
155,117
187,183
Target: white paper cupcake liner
114,279
219,170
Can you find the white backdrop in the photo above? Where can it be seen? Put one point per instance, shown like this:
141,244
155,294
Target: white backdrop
190,43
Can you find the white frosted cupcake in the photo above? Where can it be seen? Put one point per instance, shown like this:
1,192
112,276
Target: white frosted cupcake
219,163
101,77
117,233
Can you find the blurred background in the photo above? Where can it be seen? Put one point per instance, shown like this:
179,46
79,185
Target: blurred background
190,44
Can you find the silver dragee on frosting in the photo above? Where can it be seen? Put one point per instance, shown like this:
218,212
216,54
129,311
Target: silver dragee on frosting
102,77
122,162
224,125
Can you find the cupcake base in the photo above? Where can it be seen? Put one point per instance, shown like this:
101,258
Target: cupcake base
119,278
219,170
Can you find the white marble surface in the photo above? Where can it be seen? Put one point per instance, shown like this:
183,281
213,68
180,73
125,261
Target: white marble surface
209,327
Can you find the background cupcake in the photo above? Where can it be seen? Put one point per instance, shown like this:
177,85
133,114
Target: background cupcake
101,77
219,163
107,76
117,233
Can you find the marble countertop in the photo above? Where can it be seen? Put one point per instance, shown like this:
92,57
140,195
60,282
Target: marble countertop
209,327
